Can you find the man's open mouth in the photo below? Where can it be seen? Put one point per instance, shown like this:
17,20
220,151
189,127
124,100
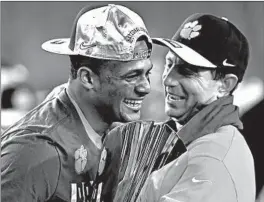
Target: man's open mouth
133,103
171,97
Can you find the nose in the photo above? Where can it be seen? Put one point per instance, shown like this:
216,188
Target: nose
171,78
143,87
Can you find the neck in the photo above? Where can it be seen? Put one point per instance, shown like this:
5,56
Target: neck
94,118
188,115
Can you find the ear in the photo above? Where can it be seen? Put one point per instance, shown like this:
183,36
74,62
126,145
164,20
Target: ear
87,77
229,82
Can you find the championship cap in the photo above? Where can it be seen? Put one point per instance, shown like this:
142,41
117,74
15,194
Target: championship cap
208,41
107,32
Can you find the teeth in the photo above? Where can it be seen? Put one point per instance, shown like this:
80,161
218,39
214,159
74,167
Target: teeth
175,98
133,103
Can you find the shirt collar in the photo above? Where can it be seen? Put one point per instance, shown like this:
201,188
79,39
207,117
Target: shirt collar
94,137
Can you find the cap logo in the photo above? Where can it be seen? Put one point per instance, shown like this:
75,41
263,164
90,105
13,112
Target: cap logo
80,156
85,46
225,63
190,30
223,18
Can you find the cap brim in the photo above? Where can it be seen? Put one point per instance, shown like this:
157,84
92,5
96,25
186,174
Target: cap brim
184,52
59,46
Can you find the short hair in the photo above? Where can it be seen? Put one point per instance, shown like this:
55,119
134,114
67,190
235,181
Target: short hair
219,73
94,64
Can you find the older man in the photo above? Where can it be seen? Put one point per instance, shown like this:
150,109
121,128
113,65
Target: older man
207,59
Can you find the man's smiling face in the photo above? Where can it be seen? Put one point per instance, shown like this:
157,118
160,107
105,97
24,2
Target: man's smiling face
123,88
186,87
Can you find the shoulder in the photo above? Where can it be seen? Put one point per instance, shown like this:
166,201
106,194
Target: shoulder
28,153
224,157
29,170
22,156
219,144
55,91
43,119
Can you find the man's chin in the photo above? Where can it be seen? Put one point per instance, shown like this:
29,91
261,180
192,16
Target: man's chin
181,115
128,117
176,114
128,114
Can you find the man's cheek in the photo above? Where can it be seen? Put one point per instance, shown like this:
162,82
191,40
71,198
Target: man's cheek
198,90
208,92
115,93
192,87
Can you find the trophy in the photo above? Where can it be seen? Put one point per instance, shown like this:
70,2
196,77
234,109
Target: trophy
132,152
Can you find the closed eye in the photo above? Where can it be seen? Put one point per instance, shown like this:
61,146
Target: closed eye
187,70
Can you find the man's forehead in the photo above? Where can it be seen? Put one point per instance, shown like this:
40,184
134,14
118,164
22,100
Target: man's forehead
130,66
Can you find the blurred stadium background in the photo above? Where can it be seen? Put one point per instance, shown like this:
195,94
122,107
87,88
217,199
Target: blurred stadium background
29,73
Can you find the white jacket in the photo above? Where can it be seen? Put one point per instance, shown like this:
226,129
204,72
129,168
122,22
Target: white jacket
217,167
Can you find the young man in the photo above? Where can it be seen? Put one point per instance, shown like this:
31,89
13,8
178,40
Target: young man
52,154
207,59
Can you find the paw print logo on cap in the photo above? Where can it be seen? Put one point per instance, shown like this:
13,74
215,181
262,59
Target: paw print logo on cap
190,30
